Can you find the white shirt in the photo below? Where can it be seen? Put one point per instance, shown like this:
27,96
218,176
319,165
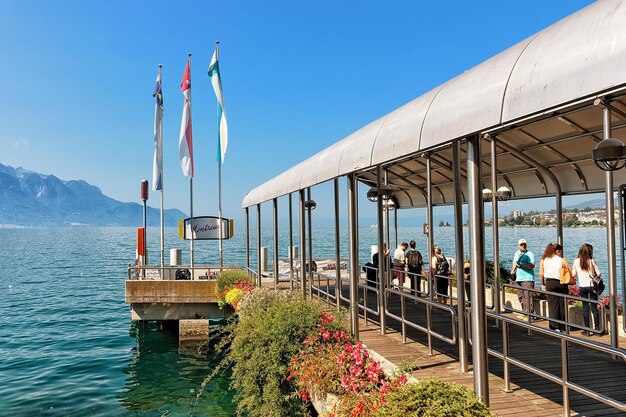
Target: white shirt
552,267
399,258
584,279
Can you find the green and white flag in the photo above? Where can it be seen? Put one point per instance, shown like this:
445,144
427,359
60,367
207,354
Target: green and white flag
222,131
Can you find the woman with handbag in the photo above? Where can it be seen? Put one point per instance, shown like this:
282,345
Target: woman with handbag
585,269
552,270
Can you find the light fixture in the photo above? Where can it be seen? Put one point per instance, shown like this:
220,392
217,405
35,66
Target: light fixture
385,192
389,204
310,204
504,193
609,154
372,194
487,194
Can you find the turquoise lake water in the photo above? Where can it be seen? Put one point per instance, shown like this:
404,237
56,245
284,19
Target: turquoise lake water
67,344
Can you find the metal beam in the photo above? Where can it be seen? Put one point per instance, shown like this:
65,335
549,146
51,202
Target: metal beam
302,245
338,285
458,237
247,238
275,207
354,254
477,270
382,261
258,242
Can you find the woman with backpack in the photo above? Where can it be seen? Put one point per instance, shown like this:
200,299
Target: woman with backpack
441,267
414,264
584,268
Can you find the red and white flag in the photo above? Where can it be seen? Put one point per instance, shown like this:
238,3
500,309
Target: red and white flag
185,145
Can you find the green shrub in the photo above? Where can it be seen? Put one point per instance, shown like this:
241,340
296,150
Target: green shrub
433,397
271,329
230,277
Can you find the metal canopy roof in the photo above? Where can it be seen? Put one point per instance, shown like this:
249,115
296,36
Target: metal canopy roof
536,97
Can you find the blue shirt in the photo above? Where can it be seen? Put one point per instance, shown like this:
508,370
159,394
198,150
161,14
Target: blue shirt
524,258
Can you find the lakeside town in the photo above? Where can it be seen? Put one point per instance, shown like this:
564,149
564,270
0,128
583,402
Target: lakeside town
587,217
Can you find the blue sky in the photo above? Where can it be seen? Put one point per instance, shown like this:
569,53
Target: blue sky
77,76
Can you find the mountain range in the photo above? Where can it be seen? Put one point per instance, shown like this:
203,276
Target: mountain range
31,199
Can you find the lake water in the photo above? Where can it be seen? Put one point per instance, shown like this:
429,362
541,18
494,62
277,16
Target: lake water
68,347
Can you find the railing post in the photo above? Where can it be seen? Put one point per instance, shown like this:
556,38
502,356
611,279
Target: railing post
247,239
354,254
290,242
610,236
337,246
382,260
258,246
302,245
458,228
275,204
477,274
310,246
431,271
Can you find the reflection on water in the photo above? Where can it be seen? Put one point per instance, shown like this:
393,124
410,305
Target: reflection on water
163,379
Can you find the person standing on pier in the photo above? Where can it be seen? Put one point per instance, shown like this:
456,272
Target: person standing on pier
399,263
550,275
386,263
414,263
524,271
440,265
584,268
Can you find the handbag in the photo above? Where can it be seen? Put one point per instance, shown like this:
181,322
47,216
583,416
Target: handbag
598,283
566,274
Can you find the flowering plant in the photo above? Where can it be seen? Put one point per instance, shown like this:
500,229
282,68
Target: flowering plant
574,291
233,294
316,364
607,303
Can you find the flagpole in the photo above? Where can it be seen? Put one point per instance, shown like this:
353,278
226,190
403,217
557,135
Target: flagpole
191,246
219,168
162,217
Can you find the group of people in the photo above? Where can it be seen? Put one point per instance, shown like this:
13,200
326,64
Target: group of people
551,268
407,265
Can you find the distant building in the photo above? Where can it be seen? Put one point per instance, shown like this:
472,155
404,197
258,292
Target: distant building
517,213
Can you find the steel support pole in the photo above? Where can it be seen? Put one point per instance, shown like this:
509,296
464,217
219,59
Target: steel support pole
382,261
354,255
495,229
477,270
610,236
302,245
431,271
275,207
290,242
258,245
387,231
310,246
337,246
247,238
395,226
458,236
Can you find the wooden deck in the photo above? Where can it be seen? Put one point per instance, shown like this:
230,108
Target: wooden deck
532,395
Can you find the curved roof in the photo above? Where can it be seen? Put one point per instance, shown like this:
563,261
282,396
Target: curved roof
567,64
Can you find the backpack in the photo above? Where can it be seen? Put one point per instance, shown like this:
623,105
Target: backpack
443,267
414,259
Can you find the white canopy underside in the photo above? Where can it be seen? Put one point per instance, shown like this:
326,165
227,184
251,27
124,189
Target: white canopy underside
536,97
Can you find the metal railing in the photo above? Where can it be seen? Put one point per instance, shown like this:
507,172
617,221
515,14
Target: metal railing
324,292
428,329
158,272
567,299
564,379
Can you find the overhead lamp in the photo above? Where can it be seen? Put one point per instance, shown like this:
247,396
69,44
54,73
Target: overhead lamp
609,154
504,193
385,192
487,194
389,204
372,194
310,204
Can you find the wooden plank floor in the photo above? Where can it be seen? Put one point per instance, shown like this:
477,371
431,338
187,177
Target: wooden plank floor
532,395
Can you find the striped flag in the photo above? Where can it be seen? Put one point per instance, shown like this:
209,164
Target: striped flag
222,131
157,173
185,145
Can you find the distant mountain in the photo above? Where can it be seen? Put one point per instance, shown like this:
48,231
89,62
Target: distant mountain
598,203
32,199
